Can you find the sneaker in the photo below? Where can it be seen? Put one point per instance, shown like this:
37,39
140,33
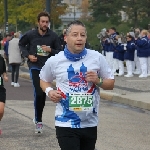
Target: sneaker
128,75
143,76
16,85
12,83
39,127
115,74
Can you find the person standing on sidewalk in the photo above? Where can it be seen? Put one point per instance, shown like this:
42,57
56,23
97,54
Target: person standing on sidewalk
14,59
143,51
111,45
136,57
8,38
78,72
129,51
2,89
38,45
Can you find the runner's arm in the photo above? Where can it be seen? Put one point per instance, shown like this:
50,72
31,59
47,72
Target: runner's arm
108,84
23,42
105,83
45,85
4,71
54,95
106,74
47,75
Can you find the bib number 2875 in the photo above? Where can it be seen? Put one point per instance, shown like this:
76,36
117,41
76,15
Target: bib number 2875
80,102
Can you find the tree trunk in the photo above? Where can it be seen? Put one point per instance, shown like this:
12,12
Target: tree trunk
135,19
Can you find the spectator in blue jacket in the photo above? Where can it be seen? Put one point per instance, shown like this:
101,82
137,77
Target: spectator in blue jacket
129,49
143,52
120,57
8,38
115,58
110,46
136,57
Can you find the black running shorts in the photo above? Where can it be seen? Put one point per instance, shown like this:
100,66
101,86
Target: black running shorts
2,94
76,138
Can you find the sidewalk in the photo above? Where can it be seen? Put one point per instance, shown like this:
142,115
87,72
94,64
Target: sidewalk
133,91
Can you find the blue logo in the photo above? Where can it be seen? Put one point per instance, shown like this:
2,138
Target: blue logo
77,82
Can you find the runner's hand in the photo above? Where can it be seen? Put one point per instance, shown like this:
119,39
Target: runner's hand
55,96
5,78
32,58
92,76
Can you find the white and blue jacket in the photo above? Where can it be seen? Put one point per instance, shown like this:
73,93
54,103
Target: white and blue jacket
143,47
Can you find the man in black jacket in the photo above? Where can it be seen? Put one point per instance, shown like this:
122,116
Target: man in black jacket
38,45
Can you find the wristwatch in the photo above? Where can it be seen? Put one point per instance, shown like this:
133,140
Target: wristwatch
100,82
48,89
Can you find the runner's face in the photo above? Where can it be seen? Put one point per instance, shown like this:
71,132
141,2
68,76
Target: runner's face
43,23
76,39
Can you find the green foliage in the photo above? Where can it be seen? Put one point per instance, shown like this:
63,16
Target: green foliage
108,10
25,12
93,28
56,11
2,14
104,10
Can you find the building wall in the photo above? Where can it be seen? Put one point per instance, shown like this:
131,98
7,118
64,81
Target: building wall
73,12
77,2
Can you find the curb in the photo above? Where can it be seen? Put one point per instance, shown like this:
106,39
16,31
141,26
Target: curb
124,100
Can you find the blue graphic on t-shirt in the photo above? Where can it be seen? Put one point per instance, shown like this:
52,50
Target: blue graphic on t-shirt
68,115
77,82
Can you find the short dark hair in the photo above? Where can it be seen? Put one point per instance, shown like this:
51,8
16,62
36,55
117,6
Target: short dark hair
75,22
117,33
113,28
41,14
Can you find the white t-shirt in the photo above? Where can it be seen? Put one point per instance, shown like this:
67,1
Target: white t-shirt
70,78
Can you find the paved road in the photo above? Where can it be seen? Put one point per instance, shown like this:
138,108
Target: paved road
120,128
25,92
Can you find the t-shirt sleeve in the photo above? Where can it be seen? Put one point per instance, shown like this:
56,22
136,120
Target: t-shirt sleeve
47,71
105,71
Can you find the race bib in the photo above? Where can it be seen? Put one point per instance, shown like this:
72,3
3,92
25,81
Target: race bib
1,81
80,102
41,52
